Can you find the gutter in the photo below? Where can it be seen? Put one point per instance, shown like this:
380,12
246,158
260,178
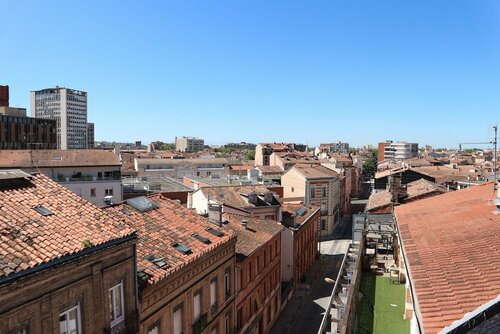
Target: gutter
65,259
416,308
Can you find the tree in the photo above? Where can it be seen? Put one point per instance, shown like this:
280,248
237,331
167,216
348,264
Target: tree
249,155
370,165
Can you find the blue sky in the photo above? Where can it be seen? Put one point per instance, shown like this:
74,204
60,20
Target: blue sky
304,71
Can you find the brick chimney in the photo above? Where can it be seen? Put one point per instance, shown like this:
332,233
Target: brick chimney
215,214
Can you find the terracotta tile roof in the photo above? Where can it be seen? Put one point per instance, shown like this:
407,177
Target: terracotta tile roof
416,189
451,243
237,196
241,167
257,233
270,169
159,229
444,174
292,218
315,171
29,239
57,158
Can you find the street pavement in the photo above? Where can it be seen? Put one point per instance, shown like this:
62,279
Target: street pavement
304,312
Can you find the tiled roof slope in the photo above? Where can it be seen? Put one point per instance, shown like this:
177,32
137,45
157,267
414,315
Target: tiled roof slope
160,228
315,171
290,213
29,239
232,195
453,249
416,189
257,233
57,158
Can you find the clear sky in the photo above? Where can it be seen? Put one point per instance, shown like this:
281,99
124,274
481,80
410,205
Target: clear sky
305,71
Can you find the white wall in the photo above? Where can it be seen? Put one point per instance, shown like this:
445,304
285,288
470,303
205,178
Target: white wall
199,202
286,255
83,189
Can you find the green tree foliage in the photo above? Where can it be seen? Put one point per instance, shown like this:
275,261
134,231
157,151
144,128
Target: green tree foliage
370,165
249,155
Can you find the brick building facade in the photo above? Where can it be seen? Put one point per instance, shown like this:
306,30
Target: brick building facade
65,265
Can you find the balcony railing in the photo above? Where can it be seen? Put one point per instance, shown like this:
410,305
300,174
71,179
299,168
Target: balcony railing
200,324
214,309
87,178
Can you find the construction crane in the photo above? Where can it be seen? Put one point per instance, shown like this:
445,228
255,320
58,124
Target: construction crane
478,143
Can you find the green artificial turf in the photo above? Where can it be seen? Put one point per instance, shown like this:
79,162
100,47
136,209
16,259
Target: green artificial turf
376,313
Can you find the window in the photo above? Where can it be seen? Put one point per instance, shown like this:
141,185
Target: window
313,192
69,321
92,192
196,306
227,328
108,192
293,189
116,304
213,293
227,284
177,321
323,192
323,224
154,329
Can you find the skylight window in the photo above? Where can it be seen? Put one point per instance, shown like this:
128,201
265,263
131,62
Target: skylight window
142,203
43,211
183,249
301,211
143,276
160,262
201,238
214,232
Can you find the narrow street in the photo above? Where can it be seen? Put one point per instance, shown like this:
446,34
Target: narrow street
305,310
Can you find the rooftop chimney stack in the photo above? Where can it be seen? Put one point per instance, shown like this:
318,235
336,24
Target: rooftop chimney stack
244,223
215,214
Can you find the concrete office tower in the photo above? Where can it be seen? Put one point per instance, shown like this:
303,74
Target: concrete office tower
69,108
189,144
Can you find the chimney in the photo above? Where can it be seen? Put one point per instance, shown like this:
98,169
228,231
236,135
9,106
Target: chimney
215,214
496,201
244,223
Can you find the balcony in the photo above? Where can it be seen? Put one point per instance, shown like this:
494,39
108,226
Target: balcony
200,324
87,178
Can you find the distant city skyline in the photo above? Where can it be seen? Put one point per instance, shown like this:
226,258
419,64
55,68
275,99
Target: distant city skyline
426,72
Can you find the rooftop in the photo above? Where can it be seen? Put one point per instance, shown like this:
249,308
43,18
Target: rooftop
238,196
315,171
41,221
250,238
294,215
451,243
57,158
169,235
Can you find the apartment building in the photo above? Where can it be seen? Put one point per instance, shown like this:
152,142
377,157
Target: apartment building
65,265
189,144
68,107
92,174
263,151
178,168
256,201
450,260
285,160
336,147
185,268
314,185
258,267
390,150
299,241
